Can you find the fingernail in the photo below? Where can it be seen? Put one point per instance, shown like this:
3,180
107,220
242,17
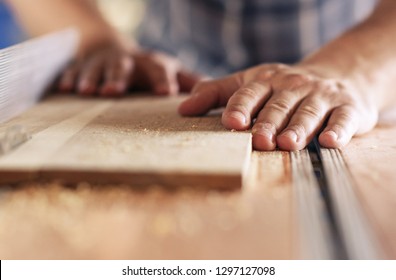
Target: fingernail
239,116
266,133
82,85
86,88
291,134
332,134
265,130
110,91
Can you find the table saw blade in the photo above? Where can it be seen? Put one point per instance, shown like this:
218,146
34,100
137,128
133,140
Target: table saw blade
29,68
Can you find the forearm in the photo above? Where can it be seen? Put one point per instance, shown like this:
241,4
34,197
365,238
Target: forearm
42,16
365,56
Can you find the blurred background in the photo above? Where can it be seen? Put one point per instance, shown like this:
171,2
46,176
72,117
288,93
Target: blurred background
125,15
9,30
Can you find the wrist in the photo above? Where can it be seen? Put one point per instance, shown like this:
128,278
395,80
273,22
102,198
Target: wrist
110,39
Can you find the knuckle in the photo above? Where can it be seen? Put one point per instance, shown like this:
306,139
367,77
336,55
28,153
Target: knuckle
246,93
334,98
239,107
345,120
269,70
297,80
338,128
280,105
346,115
279,66
341,85
347,100
265,74
310,110
332,87
328,84
287,95
328,90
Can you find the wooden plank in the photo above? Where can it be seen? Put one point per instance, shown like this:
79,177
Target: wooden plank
371,161
42,116
49,221
25,162
137,140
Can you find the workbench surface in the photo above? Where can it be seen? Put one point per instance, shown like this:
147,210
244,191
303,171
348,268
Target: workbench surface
53,220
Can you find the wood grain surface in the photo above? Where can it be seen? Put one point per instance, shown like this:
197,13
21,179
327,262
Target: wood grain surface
51,221
371,160
139,140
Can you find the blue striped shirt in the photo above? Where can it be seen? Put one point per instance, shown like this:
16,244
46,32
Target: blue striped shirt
221,36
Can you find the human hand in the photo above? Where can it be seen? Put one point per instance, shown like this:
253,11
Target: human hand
162,74
111,70
291,105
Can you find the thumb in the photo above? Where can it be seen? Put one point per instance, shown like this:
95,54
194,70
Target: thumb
209,95
187,80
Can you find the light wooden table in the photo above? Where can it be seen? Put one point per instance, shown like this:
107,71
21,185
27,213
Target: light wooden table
259,221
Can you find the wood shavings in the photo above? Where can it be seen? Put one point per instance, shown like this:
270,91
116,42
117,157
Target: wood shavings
226,220
12,138
162,225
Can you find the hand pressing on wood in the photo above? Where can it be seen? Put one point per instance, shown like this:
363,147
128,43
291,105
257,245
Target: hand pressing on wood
107,63
111,71
162,74
290,104
342,88
105,71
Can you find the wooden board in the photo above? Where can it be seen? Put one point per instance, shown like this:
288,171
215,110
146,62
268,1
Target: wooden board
137,140
274,216
371,160
50,221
